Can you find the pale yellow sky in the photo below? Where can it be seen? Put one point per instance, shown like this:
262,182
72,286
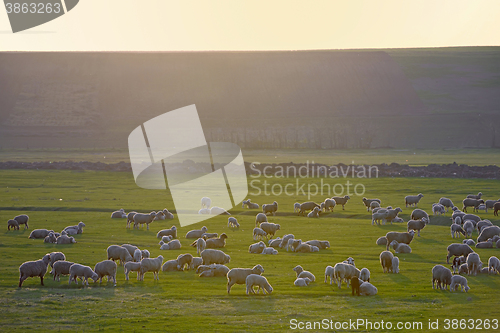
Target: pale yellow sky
164,25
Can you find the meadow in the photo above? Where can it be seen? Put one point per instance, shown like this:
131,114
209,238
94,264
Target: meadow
183,302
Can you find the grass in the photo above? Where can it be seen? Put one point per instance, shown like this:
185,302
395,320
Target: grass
183,302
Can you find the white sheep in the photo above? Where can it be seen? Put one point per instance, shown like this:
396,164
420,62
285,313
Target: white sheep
314,213
159,216
493,265
232,222
364,275
374,204
395,264
56,256
215,271
213,256
400,248
63,239
206,202
441,277
456,230
473,263
218,211
239,275
380,215
306,248
320,244
172,245
367,289
166,239
488,232
33,268
201,245
12,224
270,228
144,219
145,254
78,227
116,252
39,233
167,232
469,242
258,233
296,207
184,260
61,267
293,244
438,209
344,272
302,282
400,237
367,203
106,268
196,233
249,204
485,245
413,200
51,238
270,208
132,267
349,261
457,249
468,228
83,273
130,218
458,280
22,219
386,261
329,204
260,281
137,255
119,214
274,243
284,241
381,241
151,265
257,247
463,269
329,272
269,250
301,273
259,218
170,266
446,203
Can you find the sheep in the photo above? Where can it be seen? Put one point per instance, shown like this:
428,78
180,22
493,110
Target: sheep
116,252
239,275
217,242
457,262
132,267
413,200
441,277
270,228
400,248
485,245
329,204
130,218
367,289
456,229
482,224
274,243
61,267
166,239
213,256
496,208
83,273
196,233
381,241
473,263
344,272
172,245
308,206
215,271
270,208
39,233
197,261
458,280
368,202
137,255
457,250
206,202
269,250
151,265
488,232
400,237
51,238
314,213
22,219
296,207
209,235
301,273
56,256
78,228
472,203
493,265
218,211
232,222
258,233
489,204
145,254
306,248
474,218
259,218
349,261
249,204
341,200
329,272
257,247
446,203
420,214
63,239
302,282
458,215
473,196
380,215
393,214
119,214
144,219
397,219
416,225
33,268
200,245
438,209
374,204
12,224
321,244
130,248
159,216
202,268
463,269
260,281
184,260
355,283
167,232
284,241
106,268
469,242
468,228
386,261
170,266
293,244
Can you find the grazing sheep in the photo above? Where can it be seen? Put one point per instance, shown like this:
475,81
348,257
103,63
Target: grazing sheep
184,260
468,228
441,277
172,245
473,263
438,209
167,232
22,219
493,265
249,204
232,222
307,206
137,255
119,214
270,208
457,250
485,245
116,252
257,247
321,244
61,267
218,211
445,202
270,228
400,237
12,224
132,267
202,268
386,261
482,224
329,272
83,273
217,242
302,282
364,275
472,203
106,268
170,266
239,275
413,200
144,219
488,232
196,233
458,280
473,196
213,256
367,203
457,262
341,200
456,229
400,248
463,269
51,238
34,268
269,250
296,207
258,233
274,243
344,272
481,207
420,214
197,261
395,264
329,204
469,242
286,238
79,228
474,218
381,241
380,215
130,248
215,271
416,225
63,239
39,233
206,202
367,289
151,265
259,218
260,281
314,213
130,218
301,273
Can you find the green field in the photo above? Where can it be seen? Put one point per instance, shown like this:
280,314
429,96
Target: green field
183,302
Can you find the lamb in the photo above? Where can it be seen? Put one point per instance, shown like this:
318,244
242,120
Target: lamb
168,215
349,261
39,233
196,233
130,218
270,228
400,237
217,242
416,225
56,256
446,203
51,238
218,211
493,265
119,214
293,244
395,264
34,268
172,245
296,207
477,197
137,255
257,247
215,271
329,272
457,250
239,275
329,204
380,215
170,266
302,282
341,200
166,239
344,272
381,241
286,238
386,261
458,280
200,245
472,203
270,208
249,204
106,268
456,229
490,204
367,289
269,250
413,200
274,243
78,228
368,202
61,267
488,232
144,219
63,239
232,223
314,213
116,252
12,224
260,281
22,219
438,209
482,224
441,277
132,267
320,244
259,218
145,254
130,248
364,275
258,233
463,269
457,262
301,273
468,228
184,260
206,202
485,245
167,232
307,206
469,242
473,263
197,261
213,256
83,273
420,214
151,265
400,248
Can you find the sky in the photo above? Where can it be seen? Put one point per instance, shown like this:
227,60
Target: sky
189,25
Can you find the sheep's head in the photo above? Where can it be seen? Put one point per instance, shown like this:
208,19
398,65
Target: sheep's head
81,225
223,236
347,197
94,277
411,233
258,269
420,195
298,269
227,258
204,229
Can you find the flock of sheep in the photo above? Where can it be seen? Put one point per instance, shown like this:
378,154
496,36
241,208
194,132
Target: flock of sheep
211,261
